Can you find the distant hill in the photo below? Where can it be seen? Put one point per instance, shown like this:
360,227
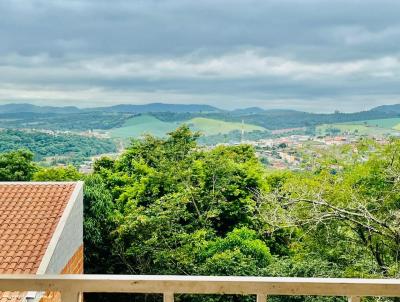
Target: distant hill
279,119
185,108
258,110
249,110
49,117
158,107
390,109
25,107
122,108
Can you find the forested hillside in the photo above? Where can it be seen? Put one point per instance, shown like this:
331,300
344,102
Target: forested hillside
69,148
63,121
167,206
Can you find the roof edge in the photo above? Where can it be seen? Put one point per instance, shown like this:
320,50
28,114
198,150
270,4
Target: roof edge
60,226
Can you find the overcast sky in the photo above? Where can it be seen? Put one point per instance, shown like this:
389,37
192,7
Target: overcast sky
312,55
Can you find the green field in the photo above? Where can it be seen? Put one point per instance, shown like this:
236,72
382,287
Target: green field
211,127
143,124
146,124
389,123
355,128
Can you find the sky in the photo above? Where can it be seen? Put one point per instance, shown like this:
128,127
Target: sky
311,55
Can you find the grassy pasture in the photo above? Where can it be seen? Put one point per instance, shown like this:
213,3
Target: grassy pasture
356,128
143,124
389,123
212,126
147,124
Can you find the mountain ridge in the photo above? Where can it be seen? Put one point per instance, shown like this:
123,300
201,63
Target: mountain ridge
158,107
120,108
166,107
27,107
395,108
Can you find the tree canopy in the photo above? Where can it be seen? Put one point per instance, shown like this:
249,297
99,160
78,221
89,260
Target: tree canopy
181,209
17,165
169,206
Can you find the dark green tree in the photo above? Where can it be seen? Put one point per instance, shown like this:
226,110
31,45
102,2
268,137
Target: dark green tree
181,209
17,165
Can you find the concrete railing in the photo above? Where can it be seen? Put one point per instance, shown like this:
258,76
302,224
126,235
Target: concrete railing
71,286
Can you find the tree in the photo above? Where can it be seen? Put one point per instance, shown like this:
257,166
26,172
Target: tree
350,217
17,165
70,148
180,209
69,173
98,226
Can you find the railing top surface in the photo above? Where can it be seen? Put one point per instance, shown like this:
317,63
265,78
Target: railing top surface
182,278
202,285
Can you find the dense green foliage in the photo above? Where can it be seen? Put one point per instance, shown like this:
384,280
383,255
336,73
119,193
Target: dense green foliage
57,174
16,166
347,205
178,209
167,206
69,148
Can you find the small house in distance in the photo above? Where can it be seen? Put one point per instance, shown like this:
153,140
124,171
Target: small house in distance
41,232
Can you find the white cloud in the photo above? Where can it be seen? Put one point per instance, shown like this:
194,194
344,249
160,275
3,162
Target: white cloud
278,53
93,96
233,79
241,65
246,64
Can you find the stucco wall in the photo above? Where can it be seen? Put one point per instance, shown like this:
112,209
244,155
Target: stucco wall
70,240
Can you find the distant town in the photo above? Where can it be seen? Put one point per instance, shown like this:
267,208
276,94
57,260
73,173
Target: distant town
281,153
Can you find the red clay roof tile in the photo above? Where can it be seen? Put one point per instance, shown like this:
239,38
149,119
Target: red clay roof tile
29,214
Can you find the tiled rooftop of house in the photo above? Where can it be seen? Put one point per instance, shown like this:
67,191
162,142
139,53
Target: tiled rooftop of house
29,214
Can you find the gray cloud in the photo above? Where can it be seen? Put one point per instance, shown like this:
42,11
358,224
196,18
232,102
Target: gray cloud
317,55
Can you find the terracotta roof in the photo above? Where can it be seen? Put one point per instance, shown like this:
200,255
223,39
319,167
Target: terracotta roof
29,214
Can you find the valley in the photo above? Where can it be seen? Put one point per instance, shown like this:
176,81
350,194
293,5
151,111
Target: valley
70,135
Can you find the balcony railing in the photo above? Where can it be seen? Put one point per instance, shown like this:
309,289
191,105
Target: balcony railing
71,286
